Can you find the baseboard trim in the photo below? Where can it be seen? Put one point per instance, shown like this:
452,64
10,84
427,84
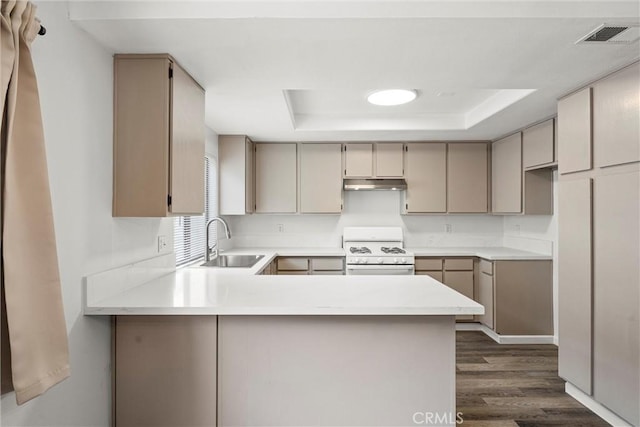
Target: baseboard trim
594,406
506,339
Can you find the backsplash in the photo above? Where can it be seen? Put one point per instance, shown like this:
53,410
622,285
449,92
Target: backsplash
367,208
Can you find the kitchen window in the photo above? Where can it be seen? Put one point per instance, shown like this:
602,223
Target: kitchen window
189,234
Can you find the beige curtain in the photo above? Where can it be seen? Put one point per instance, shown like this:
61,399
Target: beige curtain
37,333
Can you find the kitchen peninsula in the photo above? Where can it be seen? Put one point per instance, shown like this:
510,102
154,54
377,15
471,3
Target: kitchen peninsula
234,348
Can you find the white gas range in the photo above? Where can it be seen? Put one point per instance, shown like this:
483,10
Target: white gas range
376,250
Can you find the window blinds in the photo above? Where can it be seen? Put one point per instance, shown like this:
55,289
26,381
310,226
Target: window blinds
189,234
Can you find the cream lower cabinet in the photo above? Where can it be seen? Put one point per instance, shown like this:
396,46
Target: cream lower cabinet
458,275
429,267
320,178
310,266
484,292
276,177
426,175
165,370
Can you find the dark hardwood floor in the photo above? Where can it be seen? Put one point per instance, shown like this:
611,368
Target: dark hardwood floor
502,385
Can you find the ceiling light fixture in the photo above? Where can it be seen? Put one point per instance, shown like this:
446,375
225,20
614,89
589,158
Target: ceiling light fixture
392,97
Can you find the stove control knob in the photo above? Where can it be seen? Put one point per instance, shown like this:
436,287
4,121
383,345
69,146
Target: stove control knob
395,260
379,260
364,260
404,260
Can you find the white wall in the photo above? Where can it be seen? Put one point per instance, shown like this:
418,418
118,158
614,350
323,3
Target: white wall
365,208
75,80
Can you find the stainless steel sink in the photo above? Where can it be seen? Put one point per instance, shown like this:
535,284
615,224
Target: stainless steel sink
234,261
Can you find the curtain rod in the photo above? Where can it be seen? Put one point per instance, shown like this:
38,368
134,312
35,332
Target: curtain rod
42,31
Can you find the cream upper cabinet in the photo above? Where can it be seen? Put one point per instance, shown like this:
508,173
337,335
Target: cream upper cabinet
467,177
538,144
426,176
506,174
358,160
236,166
158,156
616,118
389,160
574,132
321,178
276,177
374,160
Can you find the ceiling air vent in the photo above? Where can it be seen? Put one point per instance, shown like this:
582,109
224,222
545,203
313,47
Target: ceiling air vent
612,34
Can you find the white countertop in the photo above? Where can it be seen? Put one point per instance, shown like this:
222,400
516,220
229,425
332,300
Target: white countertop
239,291
496,253
203,291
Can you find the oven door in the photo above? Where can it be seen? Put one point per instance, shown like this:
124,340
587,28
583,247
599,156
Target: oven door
384,269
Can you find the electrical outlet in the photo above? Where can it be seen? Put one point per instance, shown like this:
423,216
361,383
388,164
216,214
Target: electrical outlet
162,243
448,228
280,228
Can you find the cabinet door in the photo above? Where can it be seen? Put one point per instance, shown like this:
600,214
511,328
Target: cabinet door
434,274
235,155
276,175
575,283
320,178
389,160
537,144
523,295
485,297
506,173
616,293
467,178
186,185
358,160
249,179
141,137
574,132
461,281
616,118
165,370
426,176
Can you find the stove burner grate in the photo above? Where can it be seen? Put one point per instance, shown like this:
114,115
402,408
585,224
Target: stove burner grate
394,250
360,250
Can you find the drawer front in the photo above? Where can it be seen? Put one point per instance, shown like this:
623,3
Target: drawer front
429,264
327,273
292,273
293,263
435,274
327,264
486,267
458,264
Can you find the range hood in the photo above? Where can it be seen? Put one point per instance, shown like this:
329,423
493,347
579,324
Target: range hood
375,184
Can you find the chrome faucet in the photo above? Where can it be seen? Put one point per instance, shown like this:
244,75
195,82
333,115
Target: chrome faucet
214,248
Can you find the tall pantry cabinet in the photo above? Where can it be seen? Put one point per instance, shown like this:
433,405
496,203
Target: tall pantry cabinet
599,241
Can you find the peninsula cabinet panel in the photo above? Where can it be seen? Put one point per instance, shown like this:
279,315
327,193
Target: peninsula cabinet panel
616,118
616,339
276,177
165,370
575,283
158,155
358,160
506,175
485,297
523,296
538,144
389,160
321,178
426,175
574,132
236,166
467,178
